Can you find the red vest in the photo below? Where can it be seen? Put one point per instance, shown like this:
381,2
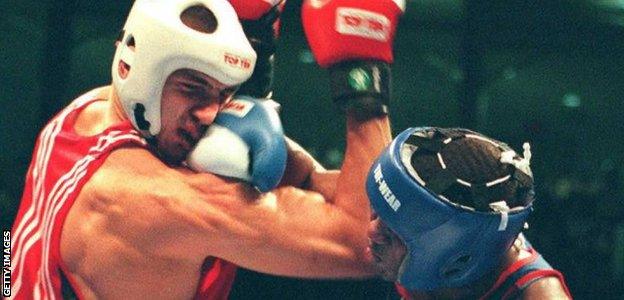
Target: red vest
515,279
62,163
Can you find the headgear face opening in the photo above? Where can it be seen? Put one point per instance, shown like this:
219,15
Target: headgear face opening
449,245
156,42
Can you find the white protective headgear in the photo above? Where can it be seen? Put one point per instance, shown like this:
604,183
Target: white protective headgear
163,44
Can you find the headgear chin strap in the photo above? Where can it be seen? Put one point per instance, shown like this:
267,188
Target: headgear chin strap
449,245
156,43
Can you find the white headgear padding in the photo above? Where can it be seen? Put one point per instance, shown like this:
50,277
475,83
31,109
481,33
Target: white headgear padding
212,156
156,43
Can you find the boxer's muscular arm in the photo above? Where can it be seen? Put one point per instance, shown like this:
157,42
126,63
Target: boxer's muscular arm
179,214
306,237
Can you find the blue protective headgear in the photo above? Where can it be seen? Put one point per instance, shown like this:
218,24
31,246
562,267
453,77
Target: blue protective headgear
449,245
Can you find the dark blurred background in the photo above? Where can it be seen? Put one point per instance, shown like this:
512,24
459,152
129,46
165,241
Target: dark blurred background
547,72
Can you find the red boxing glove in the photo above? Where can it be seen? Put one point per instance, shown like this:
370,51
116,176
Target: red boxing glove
260,20
340,30
254,10
353,38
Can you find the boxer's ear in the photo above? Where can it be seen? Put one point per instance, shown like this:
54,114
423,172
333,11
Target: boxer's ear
123,67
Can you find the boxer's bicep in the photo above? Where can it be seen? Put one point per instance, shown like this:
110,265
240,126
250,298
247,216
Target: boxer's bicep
296,233
177,213
202,214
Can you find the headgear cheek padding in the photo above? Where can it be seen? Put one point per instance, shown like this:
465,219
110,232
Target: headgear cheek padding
448,245
156,43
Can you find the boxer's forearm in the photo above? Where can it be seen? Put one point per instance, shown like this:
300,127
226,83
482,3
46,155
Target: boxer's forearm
365,141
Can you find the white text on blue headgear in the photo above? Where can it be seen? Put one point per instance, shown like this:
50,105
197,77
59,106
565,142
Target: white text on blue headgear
385,190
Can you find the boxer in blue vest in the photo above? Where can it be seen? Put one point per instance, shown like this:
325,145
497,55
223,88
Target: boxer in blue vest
448,207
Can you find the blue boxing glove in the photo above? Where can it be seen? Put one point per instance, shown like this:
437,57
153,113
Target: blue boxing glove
246,141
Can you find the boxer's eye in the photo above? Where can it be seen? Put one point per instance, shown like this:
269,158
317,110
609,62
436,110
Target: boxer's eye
191,88
196,92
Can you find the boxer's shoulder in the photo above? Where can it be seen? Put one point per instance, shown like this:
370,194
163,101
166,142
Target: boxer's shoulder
91,120
97,114
133,175
118,178
128,170
125,200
